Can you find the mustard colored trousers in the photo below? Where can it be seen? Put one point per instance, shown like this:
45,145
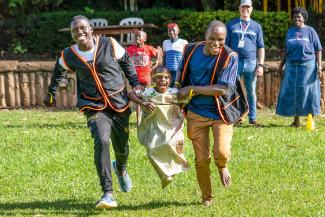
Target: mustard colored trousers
198,130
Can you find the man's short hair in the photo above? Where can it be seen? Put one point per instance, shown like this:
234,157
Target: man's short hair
216,23
79,17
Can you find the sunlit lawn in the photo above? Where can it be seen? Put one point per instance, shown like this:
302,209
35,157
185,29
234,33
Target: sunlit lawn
46,168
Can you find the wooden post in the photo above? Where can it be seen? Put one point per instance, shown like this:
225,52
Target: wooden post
25,93
39,86
11,89
268,89
271,91
63,93
17,89
32,88
278,82
58,98
72,89
260,92
3,103
48,76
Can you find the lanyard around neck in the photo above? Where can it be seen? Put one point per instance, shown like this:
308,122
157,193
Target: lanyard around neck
241,29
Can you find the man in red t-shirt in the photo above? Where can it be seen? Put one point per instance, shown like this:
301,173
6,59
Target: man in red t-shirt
141,55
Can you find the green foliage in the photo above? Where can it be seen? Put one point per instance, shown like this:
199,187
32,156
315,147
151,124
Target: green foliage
89,10
275,26
27,7
16,47
41,31
47,169
13,5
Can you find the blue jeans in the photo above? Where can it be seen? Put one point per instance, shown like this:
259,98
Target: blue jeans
246,69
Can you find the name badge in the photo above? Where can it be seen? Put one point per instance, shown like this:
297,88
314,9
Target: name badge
241,44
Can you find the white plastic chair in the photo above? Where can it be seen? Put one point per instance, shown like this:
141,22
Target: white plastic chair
98,22
130,21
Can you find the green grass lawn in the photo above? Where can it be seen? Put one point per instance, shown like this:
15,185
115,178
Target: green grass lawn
46,169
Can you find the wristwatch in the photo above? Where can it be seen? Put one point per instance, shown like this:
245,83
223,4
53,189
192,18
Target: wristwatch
261,65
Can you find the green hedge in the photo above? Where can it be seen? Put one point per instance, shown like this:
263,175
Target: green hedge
39,33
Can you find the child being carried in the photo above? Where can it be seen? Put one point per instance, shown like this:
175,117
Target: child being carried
161,127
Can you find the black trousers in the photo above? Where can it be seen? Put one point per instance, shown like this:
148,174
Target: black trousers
104,126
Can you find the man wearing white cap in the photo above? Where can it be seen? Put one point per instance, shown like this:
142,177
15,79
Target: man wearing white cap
245,36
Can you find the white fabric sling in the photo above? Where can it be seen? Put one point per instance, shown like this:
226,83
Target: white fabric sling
161,132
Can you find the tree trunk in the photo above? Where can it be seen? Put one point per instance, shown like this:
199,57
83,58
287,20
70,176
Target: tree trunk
278,5
265,4
133,5
289,8
208,5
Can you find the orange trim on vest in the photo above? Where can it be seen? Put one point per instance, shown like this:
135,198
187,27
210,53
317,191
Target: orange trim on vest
97,81
228,59
219,109
90,107
93,98
99,86
231,102
213,75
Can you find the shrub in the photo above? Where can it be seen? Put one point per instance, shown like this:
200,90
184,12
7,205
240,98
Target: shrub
39,33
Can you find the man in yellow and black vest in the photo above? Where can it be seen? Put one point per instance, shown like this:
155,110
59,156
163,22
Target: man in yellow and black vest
208,70
102,96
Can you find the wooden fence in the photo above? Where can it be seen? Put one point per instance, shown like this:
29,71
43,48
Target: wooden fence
23,85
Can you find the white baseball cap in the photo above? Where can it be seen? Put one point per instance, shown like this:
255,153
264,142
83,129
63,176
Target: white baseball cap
246,2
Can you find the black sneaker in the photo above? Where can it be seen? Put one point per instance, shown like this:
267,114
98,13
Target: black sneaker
254,124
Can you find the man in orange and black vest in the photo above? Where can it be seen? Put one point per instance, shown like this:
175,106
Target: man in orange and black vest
206,71
102,96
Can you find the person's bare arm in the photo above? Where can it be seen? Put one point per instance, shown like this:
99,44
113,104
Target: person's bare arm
177,79
209,90
260,61
134,98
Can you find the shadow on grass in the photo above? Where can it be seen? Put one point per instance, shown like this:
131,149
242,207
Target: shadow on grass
76,207
154,205
47,207
262,126
69,125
